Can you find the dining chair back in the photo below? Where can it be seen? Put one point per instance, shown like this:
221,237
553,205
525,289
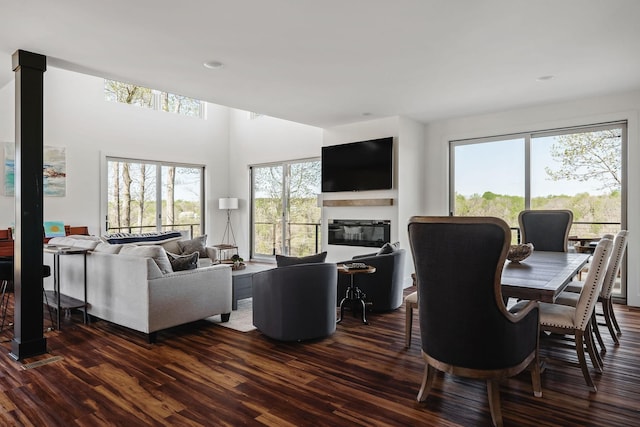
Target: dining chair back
571,294
592,285
577,321
465,328
615,261
548,230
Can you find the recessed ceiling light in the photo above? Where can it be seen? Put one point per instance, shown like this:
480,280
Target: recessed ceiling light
544,78
213,65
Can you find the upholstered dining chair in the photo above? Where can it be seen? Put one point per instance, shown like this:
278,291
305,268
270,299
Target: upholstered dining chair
576,321
465,327
572,294
410,304
548,230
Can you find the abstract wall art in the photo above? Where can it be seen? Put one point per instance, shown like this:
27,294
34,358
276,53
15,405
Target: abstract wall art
54,170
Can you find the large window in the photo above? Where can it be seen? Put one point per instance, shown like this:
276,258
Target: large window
582,169
145,196
128,93
285,214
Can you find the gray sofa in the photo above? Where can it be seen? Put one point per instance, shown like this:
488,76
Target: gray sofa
296,302
128,287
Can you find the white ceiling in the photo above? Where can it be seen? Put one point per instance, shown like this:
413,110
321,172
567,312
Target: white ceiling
332,62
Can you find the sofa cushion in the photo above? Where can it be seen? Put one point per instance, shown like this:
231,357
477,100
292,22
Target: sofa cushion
283,260
194,245
108,248
156,252
183,262
171,245
387,248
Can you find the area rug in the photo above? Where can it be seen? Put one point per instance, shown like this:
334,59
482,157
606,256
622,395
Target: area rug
240,320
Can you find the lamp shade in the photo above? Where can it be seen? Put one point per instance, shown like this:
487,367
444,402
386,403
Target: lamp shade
228,203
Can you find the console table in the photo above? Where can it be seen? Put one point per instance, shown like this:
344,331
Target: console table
53,298
6,237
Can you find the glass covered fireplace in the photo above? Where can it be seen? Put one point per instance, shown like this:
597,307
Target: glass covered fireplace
359,232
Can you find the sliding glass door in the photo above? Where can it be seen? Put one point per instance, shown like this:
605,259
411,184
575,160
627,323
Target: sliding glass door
145,196
489,178
581,169
285,216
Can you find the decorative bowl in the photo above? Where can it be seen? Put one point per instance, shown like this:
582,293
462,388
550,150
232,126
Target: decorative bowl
519,252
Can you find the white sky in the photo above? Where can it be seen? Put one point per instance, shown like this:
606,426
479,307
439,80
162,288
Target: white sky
499,167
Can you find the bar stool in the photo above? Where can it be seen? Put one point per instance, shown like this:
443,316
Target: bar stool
6,276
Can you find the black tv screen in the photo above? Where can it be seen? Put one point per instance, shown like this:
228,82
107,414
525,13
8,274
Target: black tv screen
358,166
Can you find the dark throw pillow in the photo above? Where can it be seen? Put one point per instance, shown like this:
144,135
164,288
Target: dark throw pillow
183,262
283,261
387,248
194,245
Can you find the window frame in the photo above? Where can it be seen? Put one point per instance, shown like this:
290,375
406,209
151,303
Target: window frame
104,193
528,137
156,100
285,193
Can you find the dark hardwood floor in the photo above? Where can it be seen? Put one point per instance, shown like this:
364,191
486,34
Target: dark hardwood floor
202,374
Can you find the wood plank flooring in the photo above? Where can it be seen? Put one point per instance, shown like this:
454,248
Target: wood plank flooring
206,375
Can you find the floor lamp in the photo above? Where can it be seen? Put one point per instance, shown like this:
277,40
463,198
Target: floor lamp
228,238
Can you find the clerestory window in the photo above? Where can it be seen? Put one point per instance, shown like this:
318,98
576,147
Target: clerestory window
127,93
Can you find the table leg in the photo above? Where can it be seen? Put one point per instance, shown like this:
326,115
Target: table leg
353,294
56,286
4,303
364,311
345,299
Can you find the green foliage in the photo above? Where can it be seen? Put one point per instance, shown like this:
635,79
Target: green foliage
304,221
488,195
589,156
128,93
303,214
585,207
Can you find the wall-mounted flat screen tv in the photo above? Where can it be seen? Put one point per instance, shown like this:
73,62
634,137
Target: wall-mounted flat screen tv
358,166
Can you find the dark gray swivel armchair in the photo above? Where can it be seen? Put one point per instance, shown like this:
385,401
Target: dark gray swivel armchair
548,230
384,287
465,327
296,302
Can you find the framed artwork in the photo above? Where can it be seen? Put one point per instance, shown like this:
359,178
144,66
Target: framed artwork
54,170
9,168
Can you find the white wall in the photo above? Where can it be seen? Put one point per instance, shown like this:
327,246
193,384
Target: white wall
361,131
259,141
406,194
77,117
602,109
7,112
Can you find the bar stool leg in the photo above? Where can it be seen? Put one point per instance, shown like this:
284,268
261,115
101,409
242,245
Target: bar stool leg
4,303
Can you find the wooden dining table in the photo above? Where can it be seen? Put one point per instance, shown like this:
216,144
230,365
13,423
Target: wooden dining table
541,276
